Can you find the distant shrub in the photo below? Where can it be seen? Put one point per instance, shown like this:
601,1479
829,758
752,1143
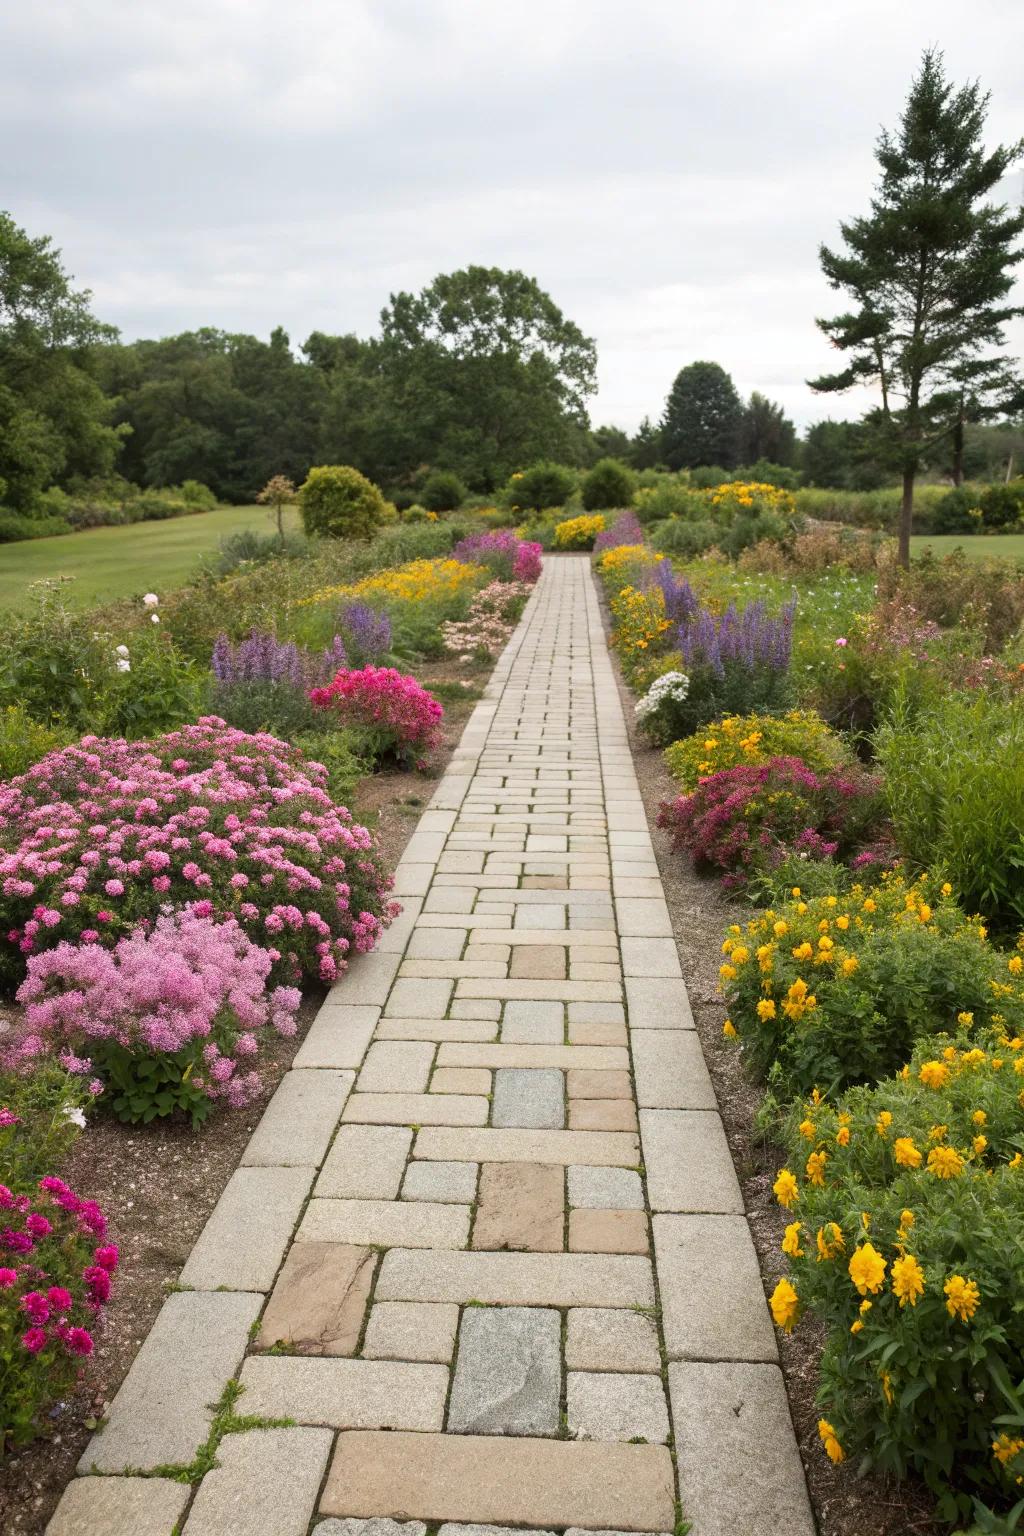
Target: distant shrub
685,537
669,497
1002,506
23,741
609,484
706,476
541,486
442,491
195,494
14,528
957,512
579,532
338,502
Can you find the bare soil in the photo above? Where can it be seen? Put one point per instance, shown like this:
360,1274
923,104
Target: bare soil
159,1183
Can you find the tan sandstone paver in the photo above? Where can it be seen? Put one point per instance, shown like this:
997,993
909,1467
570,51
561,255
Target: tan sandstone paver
453,1181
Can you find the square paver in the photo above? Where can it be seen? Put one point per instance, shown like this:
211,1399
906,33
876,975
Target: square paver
411,1330
508,1376
602,1405
610,1339
528,1097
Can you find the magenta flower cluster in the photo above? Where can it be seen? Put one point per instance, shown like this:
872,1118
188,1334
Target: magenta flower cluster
400,718
187,980
626,529
105,834
507,557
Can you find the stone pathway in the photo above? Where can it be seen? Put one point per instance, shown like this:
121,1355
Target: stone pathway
435,1263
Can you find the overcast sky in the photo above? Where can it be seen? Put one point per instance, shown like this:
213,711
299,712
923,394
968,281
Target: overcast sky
665,168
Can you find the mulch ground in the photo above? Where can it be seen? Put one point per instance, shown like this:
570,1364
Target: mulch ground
159,1183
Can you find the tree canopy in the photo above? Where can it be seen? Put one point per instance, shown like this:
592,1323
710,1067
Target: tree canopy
703,415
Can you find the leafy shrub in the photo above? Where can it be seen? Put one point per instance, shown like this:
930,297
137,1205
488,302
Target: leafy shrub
814,553
1002,506
23,741
262,683
54,1283
639,625
754,739
171,1019
365,633
836,989
442,491
982,595
541,486
622,565
247,547
907,1205
417,581
399,719
53,663
609,484
742,819
152,687
14,528
339,503
669,498
195,494
686,537
41,1114
505,556
99,836
955,785
579,532
957,512
705,477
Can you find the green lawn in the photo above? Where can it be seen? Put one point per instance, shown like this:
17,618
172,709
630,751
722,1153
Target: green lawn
1009,546
109,563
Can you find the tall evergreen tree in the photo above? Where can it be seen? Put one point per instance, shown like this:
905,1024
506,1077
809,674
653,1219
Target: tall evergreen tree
702,419
766,432
929,271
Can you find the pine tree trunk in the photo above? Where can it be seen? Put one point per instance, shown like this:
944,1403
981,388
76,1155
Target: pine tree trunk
906,516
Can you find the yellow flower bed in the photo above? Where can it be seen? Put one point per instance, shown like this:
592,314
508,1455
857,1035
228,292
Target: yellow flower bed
415,582
638,623
579,532
755,739
747,495
624,563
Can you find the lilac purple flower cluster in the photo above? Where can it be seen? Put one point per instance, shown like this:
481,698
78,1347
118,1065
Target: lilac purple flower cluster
263,658
748,637
366,632
625,530
506,556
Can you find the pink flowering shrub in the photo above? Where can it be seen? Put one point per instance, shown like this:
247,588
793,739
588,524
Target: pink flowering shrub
748,818
491,619
398,718
55,1279
506,556
173,1017
105,834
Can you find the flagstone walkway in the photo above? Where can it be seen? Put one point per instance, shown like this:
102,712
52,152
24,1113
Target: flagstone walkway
435,1263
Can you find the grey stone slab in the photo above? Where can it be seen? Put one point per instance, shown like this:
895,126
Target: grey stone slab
610,1339
739,1466
376,1527
604,1405
508,1377
670,1071
299,1121
516,1279
286,1464
386,1223
416,999
658,1002
368,979
346,1394
243,1243
451,1182
688,1163
605,1189
115,1506
338,1036
162,1412
528,1097
366,1162
535,1023
488,1530
411,1330
712,1299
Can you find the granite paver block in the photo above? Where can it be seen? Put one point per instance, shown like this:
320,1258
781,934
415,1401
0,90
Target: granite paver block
605,1189
603,1405
454,1183
670,1070
650,957
516,1279
602,1115
491,1145
521,1207
368,979
162,1412
386,1223
739,1465
411,1330
658,1002
299,1121
533,1023
416,1109
113,1506
377,1527
508,1377
601,1231
533,1098
461,1080
338,1036
586,1083
318,1303
610,1339
345,1394
243,1242
396,1066
366,1162
688,1162
559,1057
712,1299
232,1497
415,998
493,1480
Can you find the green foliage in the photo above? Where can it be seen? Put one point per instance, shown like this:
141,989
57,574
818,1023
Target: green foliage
703,417
141,1088
609,484
48,1104
341,752
442,491
53,664
1002,506
957,512
955,785
686,537
754,739
668,497
540,487
766,434
23,741
340,503
195,494
248,547
14,527
160,690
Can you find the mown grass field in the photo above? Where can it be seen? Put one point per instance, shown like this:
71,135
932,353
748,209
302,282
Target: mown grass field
1008,546
110,563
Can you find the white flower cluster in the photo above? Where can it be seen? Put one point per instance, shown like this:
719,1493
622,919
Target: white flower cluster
672,686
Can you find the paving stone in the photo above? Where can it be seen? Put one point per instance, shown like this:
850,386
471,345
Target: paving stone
538,963
601,1405
467,1025
712,1299
490,1145
565,991
416,1109
597,1034
596,1013
605,1188
658,1002
299,1121
688,1162
162,1411
610,1339
585,1083
368,979
640,917
516,1279
521,1207
396,1066
411,1330
489,1479
378,1527
488,1530
232,1497
602,1057
243,1242
318,1303
601,1115
448,1182
338,1037
345,1394
478,1008
461,1080
386,1223
670,1070
415,998
531,1098
116,1506
608,1231
366,1162
508,1377
650,957
533,1024
739,1465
